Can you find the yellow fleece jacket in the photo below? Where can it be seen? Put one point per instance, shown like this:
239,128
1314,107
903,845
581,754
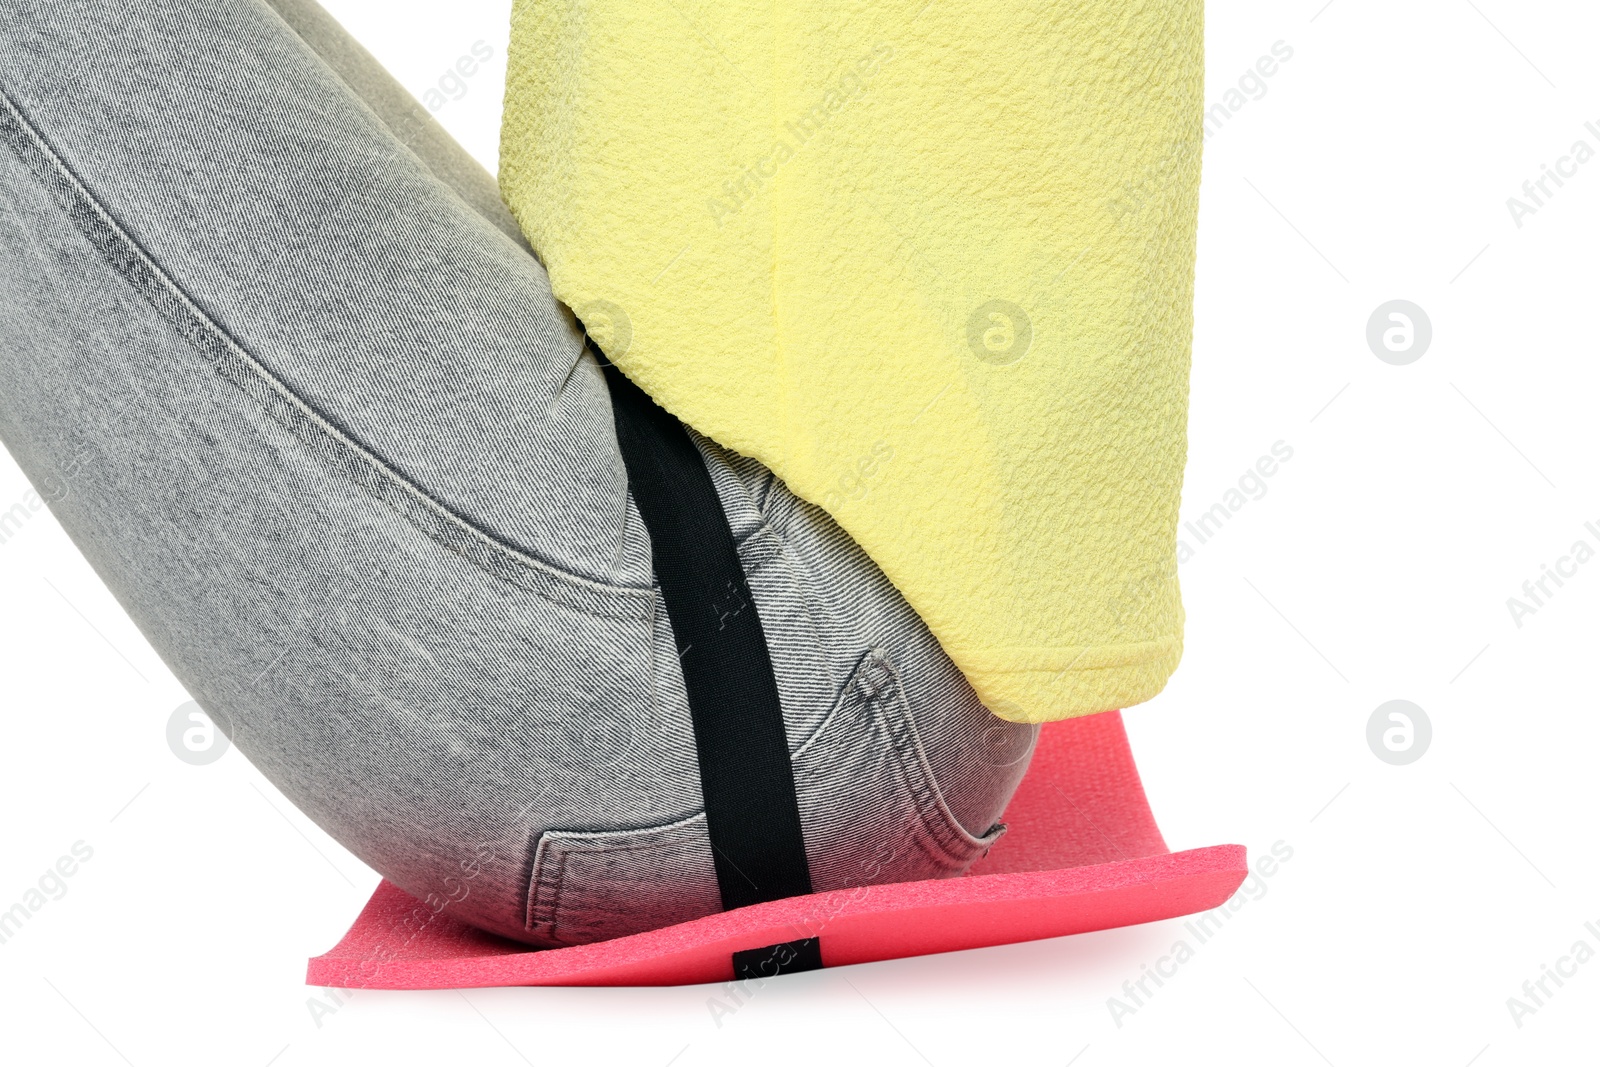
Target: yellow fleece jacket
932,263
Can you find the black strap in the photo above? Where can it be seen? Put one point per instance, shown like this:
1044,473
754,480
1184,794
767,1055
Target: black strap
787,957
752,814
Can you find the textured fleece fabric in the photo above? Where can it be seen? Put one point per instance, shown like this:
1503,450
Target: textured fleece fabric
931,264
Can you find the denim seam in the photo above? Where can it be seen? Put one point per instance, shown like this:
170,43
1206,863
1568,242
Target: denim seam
234,364
542,903
888,701
755,543
874,686
765,493
559,891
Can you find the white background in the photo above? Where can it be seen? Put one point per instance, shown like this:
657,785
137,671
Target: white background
1377,566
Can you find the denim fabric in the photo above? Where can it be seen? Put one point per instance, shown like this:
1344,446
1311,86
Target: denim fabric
343,458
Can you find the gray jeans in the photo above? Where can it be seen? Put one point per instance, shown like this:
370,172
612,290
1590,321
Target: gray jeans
300,394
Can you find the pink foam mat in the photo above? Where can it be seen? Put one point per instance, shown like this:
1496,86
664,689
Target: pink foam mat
1082,853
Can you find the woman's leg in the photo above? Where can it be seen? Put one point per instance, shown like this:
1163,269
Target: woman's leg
976,757
408,120
339,453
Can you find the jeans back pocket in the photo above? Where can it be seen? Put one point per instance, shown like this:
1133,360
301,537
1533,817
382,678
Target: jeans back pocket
596,886
870,807
870,803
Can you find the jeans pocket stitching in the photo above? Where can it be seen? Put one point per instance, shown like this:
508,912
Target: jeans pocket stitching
959,845
549,883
